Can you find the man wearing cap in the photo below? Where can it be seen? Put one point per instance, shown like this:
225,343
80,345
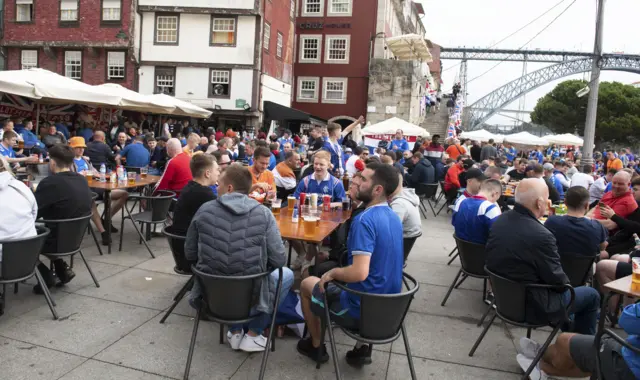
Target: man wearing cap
136,154
474,216
475,177
399,144
423,171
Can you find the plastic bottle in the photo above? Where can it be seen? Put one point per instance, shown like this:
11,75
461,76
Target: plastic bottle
40,158
119,172
103,173
113,178
294,214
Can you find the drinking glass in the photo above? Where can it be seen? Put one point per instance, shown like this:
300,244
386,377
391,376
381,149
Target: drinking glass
132,178
143,172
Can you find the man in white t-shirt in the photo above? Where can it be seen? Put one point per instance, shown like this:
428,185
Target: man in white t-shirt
596,191
359,153
584,178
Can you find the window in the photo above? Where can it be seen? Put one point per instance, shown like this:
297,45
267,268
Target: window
312,7
115,65
68,10
73,64
337,49
111,10
29,59
165,80
267,36
292,11
335,90
310,49
308,89
24,10
223,31
167,29
279,45
220,83
339,8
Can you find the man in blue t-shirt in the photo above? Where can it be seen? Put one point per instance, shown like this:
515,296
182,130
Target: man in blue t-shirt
475,215
321,182
136,154
575,234
375,257
9,139
399,144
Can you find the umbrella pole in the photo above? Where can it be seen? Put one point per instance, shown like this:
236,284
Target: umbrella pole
37,119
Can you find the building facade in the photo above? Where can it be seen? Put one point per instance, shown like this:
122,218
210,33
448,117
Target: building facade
88,40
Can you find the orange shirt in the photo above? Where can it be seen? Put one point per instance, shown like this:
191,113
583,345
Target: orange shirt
614,164
265,177
455,150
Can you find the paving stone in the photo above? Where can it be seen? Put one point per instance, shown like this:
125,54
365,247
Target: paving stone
95,370
437,370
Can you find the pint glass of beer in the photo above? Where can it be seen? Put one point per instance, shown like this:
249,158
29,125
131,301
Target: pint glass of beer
132,178
309,223
275,206
143,172
291,203
635,276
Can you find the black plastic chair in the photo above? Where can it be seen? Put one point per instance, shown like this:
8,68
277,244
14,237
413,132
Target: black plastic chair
157,209
381,321
408,244
19,263
132,169
94,198
68,236
228,300
183,266
617,338
510,301
441,196
454,253
472,259
577,267
426,191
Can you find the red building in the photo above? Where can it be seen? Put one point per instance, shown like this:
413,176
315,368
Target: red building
332,57
88,40
277,51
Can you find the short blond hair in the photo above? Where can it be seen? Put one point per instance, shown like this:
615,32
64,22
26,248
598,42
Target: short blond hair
322,155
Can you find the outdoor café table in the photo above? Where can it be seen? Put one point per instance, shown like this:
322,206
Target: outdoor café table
108,187
329,222
622,287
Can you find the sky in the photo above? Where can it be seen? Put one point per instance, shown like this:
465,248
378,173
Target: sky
482,23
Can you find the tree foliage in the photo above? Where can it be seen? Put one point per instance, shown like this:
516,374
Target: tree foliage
618,118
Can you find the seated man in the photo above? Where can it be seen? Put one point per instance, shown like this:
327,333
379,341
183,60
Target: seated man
451,179
62,195
9,139
375,258
178,173
620,199
198,191
584,178
284,175
53,137
575,234
475,215
262,179
597,190
248,243
521,249
551,178
537,171
404,203
475,177
99,152
135,154
423,171
518,173
623,240
574,355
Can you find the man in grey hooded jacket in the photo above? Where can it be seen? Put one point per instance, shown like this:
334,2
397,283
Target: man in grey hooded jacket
404,203
235,235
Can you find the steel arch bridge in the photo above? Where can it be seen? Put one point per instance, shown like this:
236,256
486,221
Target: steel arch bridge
490,104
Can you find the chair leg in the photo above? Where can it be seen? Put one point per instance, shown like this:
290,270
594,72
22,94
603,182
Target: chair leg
192,345
406,283
122,227
464,277
408,351
422,209
442,208
177,299
71,261
529,333
484,332
221,330
139,234
95,238
432,209
47,295
272,328
454,250
446,297
452,259
484,316
95,280
15,288
541,352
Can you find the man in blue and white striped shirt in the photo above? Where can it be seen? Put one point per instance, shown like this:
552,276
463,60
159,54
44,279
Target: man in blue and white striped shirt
476,214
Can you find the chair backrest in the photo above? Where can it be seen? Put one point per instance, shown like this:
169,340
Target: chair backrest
408,245
510,297
577,268
160,204
68,232
426,190
228,298
19,257
472,256
176,244
381,315
132,169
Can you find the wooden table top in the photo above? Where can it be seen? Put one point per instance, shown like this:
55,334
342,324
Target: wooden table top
622,286
329,222
150,180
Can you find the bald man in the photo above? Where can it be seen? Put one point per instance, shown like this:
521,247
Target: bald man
99,152
178,172
620,199
521,249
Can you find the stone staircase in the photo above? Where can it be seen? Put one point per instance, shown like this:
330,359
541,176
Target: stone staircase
436,124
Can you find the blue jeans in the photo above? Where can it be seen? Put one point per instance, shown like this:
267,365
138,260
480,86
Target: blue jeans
262,320
584,310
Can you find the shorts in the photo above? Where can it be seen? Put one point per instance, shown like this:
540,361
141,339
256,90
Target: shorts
100,193
623,270
613,365
337,313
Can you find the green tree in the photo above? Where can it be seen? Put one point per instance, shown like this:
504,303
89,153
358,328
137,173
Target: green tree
618,111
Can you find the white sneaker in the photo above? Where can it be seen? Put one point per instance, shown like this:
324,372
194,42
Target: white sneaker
536,373
253,343
529,348
234,340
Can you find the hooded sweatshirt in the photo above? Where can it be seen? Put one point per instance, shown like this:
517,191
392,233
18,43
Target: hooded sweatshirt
19,209
405,205
236,236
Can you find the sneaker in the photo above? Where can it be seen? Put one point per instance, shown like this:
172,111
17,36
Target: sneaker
490,298
234,340
359,356
256,343
529,348
305,347
106,239
297,263
536,373
306,264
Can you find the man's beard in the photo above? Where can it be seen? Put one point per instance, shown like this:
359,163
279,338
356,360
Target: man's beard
364,197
